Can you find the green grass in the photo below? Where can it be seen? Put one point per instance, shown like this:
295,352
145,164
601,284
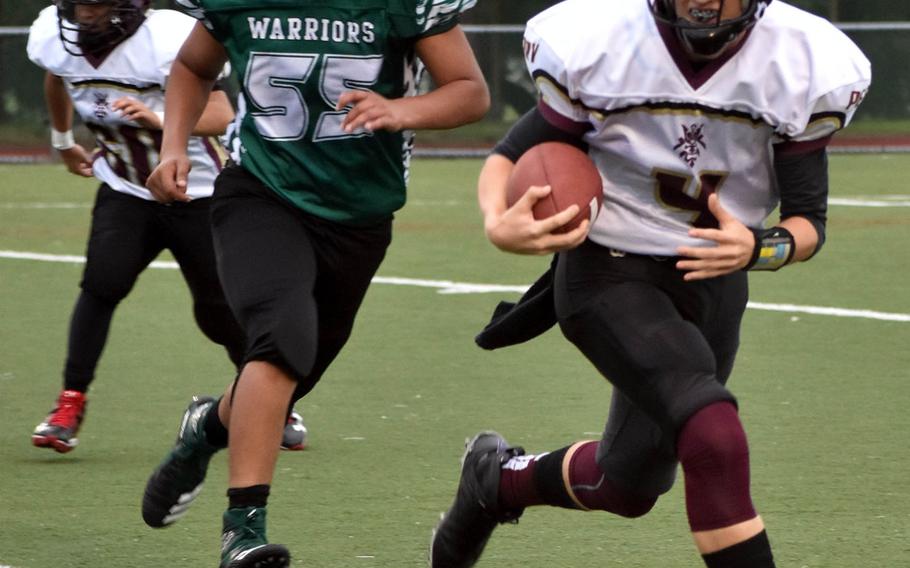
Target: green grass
823,399
878,127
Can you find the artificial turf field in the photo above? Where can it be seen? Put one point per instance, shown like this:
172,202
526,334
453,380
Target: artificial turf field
824,398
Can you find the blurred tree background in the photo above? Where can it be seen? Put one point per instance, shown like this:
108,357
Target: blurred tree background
887,109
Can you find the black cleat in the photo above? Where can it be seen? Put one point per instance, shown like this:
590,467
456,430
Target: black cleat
177,481
463,532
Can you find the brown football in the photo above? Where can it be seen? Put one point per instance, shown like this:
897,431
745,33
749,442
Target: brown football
570,173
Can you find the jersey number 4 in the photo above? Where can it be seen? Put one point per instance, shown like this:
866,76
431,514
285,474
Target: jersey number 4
681,192
274,84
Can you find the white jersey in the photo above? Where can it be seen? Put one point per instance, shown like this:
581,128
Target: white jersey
137,68
664,135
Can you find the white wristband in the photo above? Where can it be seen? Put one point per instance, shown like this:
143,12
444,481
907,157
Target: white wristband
62,140
160,115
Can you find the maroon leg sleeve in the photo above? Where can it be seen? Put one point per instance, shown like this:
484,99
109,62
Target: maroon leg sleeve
715,459
592,490
568,478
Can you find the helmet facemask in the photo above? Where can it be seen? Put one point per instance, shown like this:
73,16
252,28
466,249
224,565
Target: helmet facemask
710,38
98,38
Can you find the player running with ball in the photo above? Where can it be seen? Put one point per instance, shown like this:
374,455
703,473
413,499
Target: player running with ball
702,116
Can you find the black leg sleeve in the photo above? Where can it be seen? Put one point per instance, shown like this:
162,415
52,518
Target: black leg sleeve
89,327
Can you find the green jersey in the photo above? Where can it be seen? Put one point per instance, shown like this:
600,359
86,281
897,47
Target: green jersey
294,58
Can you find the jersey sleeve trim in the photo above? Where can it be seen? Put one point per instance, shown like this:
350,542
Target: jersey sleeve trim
440,29
548,87
795,148
561,122
439,16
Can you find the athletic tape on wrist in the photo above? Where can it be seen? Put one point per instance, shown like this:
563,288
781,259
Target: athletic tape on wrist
62,140
774,248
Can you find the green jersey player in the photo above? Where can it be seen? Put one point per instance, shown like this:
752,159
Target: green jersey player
302,218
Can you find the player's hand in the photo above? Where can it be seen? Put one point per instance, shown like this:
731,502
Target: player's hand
731,251
517,231
370,112
77,160
132,109
168,181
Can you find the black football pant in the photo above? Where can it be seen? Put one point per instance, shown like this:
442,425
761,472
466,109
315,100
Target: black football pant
127,233
294,281
666,345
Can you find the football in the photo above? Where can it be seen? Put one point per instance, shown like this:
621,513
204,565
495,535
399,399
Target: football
571,175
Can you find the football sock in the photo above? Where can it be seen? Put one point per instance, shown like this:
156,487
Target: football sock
715,458
525,481
253,496
215,432
751,553
88,332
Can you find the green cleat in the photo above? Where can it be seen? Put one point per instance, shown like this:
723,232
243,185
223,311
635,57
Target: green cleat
177,481
243,541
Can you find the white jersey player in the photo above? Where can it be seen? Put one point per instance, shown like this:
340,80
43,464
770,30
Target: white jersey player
109,60
138,69
702,117
667,133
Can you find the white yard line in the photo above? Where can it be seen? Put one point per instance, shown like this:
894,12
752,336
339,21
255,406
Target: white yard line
881,201
451,287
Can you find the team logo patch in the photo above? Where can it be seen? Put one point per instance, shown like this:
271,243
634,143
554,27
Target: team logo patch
691,143
856,97
101,106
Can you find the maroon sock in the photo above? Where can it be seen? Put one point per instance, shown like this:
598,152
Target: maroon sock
715,458
517,484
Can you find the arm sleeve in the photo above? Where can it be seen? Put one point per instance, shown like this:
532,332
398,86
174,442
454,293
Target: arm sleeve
532,129
803,183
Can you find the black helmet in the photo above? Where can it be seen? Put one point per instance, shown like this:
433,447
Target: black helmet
709,40
98,38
